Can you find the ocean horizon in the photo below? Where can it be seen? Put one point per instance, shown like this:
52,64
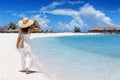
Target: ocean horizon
83,57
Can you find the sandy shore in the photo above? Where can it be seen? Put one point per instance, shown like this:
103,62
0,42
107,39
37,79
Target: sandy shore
10,62
62,34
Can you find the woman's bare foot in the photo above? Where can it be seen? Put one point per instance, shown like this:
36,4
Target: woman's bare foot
27,71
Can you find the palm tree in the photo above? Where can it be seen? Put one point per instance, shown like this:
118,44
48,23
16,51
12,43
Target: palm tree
12,26
77,29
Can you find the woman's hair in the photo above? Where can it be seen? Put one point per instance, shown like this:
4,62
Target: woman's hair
25,29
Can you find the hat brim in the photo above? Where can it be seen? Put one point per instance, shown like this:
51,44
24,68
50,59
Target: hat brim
29,23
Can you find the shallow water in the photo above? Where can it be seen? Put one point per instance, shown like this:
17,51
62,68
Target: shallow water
85,57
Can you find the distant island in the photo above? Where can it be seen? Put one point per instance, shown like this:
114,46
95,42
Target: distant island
13,28
105,30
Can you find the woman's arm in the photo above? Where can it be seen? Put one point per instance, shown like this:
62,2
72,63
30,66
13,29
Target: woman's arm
18,38
35,28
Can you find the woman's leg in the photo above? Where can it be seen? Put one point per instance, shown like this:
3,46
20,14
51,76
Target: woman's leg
23,62
27,70
22,58
28,61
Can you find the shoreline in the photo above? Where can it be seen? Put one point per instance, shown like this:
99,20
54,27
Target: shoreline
36,35
10,61
55,34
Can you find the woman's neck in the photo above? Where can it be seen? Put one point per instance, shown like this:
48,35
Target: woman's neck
26,33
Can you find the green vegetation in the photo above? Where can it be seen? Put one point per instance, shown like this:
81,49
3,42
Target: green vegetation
12,26
34,25
38,31
77,29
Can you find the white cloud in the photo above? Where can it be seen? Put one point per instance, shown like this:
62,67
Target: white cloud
19,15
34,11
90,12
115,11
42,20
8,11
76,22
75,2
66,12
86,15
51,6
85,18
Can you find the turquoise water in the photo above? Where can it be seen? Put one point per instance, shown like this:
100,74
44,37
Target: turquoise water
85,57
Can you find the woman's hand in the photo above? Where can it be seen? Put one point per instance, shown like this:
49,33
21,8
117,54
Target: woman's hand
35,21
18,39
16,46
35,28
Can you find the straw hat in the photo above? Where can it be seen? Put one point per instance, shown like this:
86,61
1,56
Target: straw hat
25,23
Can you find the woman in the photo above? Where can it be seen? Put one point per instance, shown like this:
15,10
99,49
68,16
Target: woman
24,43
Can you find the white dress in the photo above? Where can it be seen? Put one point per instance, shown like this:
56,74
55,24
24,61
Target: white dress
26,52
29,59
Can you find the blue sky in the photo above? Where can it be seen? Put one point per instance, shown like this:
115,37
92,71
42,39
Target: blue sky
62,15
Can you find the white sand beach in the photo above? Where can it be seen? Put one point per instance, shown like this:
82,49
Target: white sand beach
10,61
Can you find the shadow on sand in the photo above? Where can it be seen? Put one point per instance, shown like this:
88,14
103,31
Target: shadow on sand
31,71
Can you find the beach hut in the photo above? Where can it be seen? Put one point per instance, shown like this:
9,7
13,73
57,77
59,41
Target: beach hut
12,31
105,29
117,29
97,29
110,29
3,29
48,31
